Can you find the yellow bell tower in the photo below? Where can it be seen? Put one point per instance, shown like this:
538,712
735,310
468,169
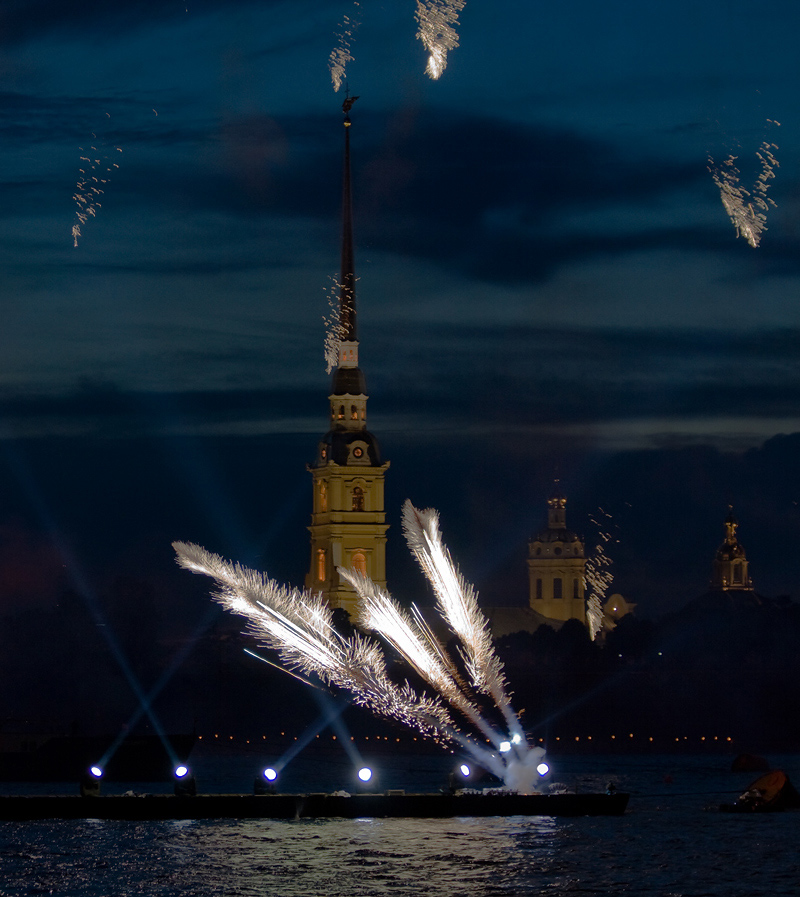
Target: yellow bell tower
348,527
557,566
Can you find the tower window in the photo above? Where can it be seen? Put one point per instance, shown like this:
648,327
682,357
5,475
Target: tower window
737,574
341,412
358,561
353,412
558,588
358,498
539,588
323,497
321,564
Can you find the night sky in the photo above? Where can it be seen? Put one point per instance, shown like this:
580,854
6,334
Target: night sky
549,286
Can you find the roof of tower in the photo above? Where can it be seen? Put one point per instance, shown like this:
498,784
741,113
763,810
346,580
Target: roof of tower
349,382
556,501
731,548
556,534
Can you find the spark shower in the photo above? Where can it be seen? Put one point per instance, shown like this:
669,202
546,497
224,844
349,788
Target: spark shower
298,625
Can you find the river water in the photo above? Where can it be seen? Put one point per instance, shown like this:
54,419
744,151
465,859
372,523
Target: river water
672,842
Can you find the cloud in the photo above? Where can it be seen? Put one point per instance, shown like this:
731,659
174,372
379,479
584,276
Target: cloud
22,20
618,387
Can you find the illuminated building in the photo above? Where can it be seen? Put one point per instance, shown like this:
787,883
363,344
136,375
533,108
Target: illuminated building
557,566
729,571
348,526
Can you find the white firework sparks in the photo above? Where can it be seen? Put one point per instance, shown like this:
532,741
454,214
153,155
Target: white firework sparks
298,625
598,577
340,54
458,604
745,208
333,327
437,20
95,173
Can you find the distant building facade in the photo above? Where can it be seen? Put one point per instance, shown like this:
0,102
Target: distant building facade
557,567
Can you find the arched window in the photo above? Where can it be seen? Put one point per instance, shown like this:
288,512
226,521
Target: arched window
539,588
358,561
353,412
321,564
341,412
358,498
323,497
558,587
737,574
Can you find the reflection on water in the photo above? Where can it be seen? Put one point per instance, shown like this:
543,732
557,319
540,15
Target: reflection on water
668,845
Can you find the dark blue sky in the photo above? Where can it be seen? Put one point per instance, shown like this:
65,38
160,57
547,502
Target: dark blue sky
546,268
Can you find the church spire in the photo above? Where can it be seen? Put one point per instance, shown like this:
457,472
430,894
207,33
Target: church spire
347,274
348,520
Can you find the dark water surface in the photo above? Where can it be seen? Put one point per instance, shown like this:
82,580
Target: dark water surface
671,843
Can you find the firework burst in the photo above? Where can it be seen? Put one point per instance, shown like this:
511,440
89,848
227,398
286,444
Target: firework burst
598,577
298,625
437,20
334,332
341,54
747,208
97,166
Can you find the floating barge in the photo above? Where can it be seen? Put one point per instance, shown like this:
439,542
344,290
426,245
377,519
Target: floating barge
396,805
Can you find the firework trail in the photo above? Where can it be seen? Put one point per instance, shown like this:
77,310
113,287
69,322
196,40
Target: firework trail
437,20
458,604
93,176
298,626
333,326
598,578
340,54
746,208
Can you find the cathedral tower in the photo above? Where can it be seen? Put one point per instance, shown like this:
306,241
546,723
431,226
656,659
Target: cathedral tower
557,566
348,526
730,563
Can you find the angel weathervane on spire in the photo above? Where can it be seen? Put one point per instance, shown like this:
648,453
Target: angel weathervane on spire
347,105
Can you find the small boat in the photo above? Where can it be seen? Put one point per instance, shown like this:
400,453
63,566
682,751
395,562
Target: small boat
391,804
768,794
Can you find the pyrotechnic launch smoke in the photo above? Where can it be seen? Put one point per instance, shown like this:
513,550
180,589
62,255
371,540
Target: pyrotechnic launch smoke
298,625
747,209
437,20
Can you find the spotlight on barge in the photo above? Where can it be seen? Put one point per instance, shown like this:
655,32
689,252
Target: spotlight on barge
90,781
265,783
185,784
